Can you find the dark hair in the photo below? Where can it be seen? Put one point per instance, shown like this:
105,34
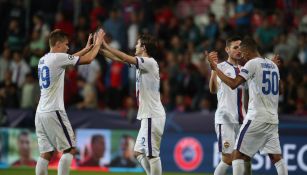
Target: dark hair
23,133
95,137
57,35
250,44
232,39
150,44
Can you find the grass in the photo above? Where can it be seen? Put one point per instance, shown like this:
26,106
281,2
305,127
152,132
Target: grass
31,171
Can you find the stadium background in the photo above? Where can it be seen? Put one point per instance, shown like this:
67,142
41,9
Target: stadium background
100,97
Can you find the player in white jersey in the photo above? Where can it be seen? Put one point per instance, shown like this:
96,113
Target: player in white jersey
150,112
230,108
260,127
53,129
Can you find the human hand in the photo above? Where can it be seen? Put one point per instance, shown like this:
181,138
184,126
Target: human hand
212,59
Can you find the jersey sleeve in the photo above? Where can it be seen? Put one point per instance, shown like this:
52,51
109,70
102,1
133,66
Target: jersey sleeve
67,60
248,70
144,63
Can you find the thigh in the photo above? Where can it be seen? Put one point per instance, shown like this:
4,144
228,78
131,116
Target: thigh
44,144
251,137
149,137
59,130
226,135
272,145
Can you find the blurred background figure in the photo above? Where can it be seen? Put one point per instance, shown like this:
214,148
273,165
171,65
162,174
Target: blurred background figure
125,157
95,152
24,150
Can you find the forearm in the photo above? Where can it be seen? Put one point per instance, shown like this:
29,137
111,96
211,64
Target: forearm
213,83
89,56
81,52
109,55
227,80
121,55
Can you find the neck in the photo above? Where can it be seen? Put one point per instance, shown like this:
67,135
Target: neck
232,61
254,55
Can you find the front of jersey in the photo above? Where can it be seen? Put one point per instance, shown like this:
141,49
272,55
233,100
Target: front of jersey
51,74
262,76
230,108
148,88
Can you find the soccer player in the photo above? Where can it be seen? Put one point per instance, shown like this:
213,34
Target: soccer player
230,109
260,127
53,129
150,112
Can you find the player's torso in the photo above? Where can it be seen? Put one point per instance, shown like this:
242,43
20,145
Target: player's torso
51,82
148,93
264,92
230,108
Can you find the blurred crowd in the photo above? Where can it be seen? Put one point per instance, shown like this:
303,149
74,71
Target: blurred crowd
185,29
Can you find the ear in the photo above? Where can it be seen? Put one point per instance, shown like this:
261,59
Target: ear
227,49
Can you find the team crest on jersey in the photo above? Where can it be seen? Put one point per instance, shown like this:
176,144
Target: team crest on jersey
70,57
188,154
226,145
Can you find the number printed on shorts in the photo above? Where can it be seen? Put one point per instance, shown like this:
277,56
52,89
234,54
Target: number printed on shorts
44,77
143,141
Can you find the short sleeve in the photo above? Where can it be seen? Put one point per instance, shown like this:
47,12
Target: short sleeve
145,63
248,70
67,60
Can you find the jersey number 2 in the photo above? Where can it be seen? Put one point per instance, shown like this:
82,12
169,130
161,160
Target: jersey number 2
44,77
270,81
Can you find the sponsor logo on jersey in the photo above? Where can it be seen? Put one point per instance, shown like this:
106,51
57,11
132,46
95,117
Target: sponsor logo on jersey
70,57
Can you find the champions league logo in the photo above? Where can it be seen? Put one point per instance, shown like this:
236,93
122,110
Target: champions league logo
188,154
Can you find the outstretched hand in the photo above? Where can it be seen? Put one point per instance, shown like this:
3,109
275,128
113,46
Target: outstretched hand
89,43
212,58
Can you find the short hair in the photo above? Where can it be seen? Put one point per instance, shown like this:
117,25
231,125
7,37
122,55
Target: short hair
232,39
250,44
150,44
57,35
23,133
95,137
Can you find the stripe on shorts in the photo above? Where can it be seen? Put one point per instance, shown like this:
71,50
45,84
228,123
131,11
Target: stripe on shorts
64,128
149,138
242,133
220,138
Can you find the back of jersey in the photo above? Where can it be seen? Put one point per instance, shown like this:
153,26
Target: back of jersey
51,74
262,76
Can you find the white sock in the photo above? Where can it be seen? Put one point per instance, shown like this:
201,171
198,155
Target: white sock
144,163
64,164
238,167
221,168
155,166
41,166
281,167
247,168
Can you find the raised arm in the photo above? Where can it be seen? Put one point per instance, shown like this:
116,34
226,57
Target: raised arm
109,55
90,56
232,83
213,78
119,54
87,48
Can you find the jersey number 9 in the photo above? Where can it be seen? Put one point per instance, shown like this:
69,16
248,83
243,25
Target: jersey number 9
44,77
270,81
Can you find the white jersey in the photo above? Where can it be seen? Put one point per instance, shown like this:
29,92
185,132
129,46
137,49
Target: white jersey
230,107
51,73
148,88
262,76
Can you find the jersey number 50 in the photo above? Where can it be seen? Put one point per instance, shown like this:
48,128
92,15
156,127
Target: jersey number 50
44,77
270,81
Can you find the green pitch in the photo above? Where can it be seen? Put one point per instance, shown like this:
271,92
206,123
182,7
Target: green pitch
29,171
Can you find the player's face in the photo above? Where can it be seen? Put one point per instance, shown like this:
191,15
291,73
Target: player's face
138,48
234,50
24,145
63,46
244,53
